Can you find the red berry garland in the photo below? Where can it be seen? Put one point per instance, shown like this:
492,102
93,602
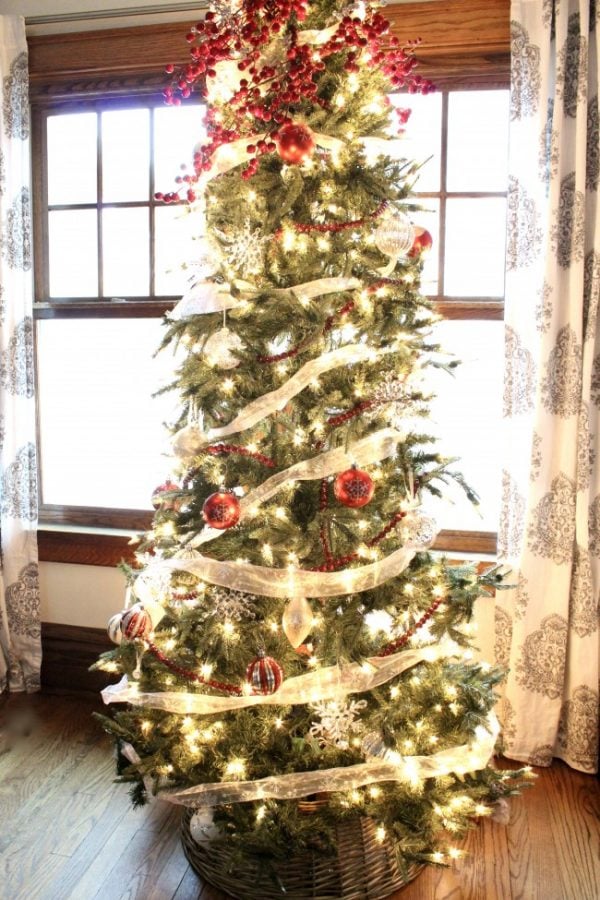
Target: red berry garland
353,488
221,510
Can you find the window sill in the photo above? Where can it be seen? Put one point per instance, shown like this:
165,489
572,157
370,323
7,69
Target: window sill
109,546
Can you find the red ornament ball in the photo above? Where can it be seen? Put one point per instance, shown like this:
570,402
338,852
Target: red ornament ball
159,501
295,143
264,674
221,510
353,488
422,243
136,623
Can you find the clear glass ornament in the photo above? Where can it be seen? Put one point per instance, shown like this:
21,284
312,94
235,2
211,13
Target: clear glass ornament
218,350
394,235
297,620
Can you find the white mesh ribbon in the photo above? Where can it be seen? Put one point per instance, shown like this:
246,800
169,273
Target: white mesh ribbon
276,400
287,583
369,450
409,769
329,683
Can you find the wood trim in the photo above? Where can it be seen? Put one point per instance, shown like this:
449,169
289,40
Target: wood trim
67,653
96,517
462,40
84,548
98,549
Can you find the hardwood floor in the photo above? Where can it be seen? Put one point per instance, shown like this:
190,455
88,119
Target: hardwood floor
68,833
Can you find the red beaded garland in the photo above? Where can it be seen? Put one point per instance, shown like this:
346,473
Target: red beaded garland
353,488
192,676
422,243
295,143
264,674
221,510
404,638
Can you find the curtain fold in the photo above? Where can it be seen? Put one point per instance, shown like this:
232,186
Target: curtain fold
20,645
547,631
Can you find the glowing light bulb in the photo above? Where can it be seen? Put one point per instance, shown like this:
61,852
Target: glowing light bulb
236,768
374,792
146,727
380,834
340,101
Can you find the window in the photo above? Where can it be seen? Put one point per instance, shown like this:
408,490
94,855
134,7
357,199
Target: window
113,261
462,137
107,257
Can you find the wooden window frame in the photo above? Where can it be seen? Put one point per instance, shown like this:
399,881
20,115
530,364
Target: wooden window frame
467,47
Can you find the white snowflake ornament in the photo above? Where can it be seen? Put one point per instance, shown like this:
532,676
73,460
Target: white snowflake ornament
339,719
245,251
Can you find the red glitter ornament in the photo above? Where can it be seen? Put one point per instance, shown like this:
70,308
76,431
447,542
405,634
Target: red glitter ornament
165,502
353,488
221,510
422,243
264,674
295,143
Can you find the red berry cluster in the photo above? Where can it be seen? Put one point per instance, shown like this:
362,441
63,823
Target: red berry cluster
192,676
270,94
404,638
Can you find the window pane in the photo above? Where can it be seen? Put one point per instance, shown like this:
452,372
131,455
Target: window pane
177,247
126,250
72,155
101,435
465,416
475,242
429,218
73,253
422,136
177,130
125,155
477,141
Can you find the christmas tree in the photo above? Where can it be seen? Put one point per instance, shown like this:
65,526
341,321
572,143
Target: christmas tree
295,659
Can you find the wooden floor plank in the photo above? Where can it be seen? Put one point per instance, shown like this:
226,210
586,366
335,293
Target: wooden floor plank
72,835
575,823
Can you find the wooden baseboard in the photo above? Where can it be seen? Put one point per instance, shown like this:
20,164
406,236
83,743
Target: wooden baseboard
67,653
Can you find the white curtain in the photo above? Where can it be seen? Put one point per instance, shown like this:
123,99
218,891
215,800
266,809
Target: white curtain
20,650
547,626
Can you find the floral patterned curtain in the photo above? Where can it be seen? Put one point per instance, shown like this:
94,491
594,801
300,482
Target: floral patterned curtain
547,626
20,651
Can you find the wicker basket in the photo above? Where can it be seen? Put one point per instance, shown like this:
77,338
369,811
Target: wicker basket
364,868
